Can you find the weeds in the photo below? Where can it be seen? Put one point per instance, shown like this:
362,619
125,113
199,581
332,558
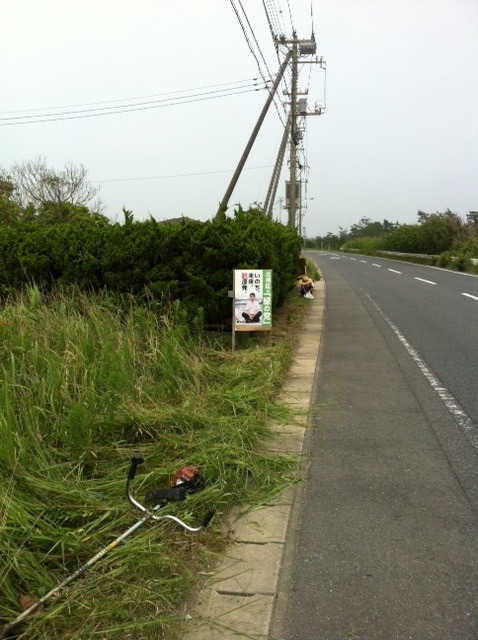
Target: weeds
84,382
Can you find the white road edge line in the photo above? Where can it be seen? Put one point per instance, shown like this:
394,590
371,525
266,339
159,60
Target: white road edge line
462,418
426,281
468,295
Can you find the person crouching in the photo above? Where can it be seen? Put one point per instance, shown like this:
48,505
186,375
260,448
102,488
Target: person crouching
306,287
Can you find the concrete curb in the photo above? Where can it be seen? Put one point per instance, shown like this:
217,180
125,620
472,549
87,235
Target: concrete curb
238,600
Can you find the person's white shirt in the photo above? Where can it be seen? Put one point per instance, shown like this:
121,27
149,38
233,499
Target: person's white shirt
252,307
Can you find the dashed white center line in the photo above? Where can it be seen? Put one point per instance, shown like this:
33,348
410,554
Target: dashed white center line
468,295
395,271
426,281
374,264
364,261
446,396
353,258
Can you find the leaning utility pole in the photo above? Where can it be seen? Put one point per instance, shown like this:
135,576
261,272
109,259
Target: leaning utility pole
224,202
295,49
271,192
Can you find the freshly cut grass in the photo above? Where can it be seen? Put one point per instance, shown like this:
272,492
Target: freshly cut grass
85,380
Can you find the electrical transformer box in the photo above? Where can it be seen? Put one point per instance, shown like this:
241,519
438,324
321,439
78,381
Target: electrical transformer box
307,47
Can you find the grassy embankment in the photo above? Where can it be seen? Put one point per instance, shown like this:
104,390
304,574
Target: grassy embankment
84,383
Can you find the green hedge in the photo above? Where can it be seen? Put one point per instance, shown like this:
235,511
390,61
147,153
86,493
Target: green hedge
190,261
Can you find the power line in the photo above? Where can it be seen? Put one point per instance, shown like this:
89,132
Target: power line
251,49
255,40
111,108
269,22
176,175
154,95
272,15
108,111
249,44
290,17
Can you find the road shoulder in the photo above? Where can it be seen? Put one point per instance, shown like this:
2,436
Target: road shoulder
238,600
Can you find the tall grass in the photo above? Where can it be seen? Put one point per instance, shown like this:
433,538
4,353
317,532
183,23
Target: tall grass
84,381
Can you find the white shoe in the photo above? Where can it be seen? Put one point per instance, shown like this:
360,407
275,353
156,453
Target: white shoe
309,295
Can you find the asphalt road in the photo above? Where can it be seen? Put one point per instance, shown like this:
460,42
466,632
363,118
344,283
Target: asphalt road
435,309
384,544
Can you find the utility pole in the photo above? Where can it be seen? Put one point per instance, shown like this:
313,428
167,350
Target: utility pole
293,139
271,192
295,49
298,49
223,205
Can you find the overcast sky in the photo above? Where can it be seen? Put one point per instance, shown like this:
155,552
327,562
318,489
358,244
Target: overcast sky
399,132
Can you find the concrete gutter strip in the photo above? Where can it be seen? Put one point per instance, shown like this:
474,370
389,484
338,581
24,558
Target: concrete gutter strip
238,600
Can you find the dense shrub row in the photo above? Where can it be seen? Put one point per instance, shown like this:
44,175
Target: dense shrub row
191,261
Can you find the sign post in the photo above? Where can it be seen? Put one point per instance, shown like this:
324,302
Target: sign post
252,302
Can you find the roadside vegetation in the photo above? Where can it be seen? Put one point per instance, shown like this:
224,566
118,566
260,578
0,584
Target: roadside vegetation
106,349
441,239
51,235
86,380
